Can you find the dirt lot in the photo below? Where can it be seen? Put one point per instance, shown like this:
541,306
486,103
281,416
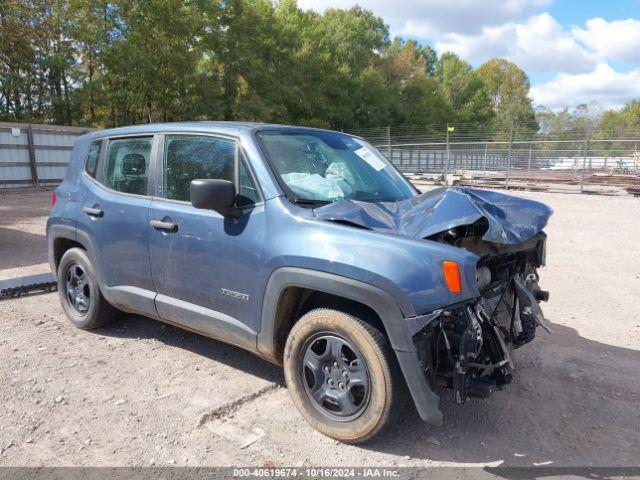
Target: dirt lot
141,393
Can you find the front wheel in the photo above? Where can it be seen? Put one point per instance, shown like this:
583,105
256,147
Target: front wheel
342,375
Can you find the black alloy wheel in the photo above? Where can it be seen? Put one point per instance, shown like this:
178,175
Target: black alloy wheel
335,377
78,289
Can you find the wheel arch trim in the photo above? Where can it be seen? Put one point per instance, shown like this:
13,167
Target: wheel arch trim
57,232
285,277
79,236
426,401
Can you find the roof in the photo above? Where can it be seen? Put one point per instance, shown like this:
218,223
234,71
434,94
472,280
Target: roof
229,128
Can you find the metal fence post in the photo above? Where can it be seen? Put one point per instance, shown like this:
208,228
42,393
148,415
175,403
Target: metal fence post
529,163
32,156
584,159
389,143
446,166
509,155
484,163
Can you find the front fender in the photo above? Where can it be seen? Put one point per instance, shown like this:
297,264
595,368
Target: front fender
408,269
397,328
379,300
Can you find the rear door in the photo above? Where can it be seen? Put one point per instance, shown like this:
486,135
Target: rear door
204,264
113,219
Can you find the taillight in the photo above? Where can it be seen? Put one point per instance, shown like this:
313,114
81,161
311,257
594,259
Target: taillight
53,199
452,276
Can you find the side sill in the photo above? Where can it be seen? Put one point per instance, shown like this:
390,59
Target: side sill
185,315
131,299
205,321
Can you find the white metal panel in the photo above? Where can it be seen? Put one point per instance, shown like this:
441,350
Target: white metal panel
60,138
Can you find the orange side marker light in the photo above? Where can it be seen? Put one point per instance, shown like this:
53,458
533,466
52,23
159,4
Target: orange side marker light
452,276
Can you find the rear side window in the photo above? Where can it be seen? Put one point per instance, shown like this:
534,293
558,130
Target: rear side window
127,165
187,157
91,165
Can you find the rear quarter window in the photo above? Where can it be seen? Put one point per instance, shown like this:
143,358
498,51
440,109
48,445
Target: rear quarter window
91,164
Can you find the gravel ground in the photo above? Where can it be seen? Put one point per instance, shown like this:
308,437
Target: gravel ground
141,393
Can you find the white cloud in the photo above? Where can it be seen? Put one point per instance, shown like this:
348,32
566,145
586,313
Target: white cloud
480,29
428,18
539,45
520,31
603,84
618,40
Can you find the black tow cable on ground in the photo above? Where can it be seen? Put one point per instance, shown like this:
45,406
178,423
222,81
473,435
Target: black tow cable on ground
32,284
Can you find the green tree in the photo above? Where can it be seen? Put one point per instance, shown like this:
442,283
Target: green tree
508,87
465,92
400,60
412,93
619,124
36,57
422,102
17,61
115,62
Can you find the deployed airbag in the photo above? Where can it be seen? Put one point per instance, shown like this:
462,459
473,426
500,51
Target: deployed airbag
511,220
335,185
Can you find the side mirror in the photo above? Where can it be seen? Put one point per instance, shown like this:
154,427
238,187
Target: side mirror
210,194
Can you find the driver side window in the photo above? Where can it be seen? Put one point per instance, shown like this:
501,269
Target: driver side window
188,157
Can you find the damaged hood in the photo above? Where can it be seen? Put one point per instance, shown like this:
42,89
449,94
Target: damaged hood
511,220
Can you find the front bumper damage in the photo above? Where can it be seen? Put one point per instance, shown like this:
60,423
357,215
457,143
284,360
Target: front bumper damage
467,349
467,346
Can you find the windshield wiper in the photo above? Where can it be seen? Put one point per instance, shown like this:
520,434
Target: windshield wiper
309,201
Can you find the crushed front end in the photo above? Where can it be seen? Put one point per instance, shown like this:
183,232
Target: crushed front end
468,347
464,345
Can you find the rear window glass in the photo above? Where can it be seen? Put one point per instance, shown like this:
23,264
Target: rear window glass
91,165
127,165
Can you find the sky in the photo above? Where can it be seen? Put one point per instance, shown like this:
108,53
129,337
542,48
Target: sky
574,51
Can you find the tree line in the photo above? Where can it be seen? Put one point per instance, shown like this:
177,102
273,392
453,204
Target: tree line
105,63
108,63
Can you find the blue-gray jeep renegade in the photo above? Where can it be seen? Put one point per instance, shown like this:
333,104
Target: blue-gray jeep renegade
309,249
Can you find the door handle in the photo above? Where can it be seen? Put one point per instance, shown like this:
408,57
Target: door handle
166,226
93,212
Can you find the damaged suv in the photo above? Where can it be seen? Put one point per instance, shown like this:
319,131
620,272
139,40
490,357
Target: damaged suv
308,248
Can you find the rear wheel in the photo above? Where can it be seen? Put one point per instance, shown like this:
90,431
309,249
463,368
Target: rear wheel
342,375
79,293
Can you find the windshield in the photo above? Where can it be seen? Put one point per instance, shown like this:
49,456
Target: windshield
323,167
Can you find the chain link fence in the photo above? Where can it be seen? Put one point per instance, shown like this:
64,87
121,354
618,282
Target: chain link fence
519,158
522,157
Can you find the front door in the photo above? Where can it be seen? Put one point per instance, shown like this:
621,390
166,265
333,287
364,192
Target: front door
203,263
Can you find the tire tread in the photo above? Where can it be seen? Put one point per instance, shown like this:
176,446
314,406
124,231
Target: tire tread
104,311
395,388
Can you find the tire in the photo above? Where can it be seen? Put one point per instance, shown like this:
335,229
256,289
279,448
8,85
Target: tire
326,397
77,279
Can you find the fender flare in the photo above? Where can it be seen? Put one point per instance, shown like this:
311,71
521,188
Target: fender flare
58,231
381,302
397,328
